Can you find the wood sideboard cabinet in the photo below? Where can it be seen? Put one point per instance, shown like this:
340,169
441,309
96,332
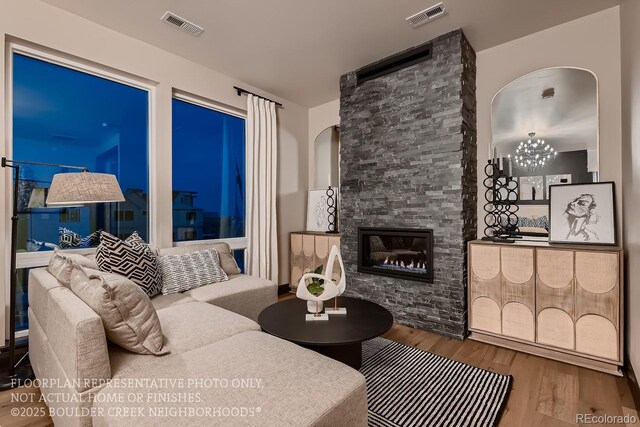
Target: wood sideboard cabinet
308,251
556,301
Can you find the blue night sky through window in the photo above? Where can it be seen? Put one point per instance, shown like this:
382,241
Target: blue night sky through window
208,173
69,117
64,116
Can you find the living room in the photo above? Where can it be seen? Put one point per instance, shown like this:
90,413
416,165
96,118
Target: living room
327,213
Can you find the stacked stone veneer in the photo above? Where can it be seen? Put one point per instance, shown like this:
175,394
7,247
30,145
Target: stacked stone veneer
408,159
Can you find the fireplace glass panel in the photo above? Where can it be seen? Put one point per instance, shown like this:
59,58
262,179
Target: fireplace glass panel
397,252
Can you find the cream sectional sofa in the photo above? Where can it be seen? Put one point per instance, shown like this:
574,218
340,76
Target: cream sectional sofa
222,370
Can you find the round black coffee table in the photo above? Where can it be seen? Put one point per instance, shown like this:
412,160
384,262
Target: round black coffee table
340,337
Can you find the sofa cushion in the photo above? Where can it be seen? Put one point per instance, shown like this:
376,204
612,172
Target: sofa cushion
127,314
284,385
131,258
243,294
185,327
164,301
61,263
188,271
227,261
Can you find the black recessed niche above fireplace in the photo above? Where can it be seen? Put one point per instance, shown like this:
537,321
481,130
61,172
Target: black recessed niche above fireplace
396,252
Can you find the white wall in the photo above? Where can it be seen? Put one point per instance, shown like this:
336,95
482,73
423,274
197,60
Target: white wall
630,39
591,42
53,28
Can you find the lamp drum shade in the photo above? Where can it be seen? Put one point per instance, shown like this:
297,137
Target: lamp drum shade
82,188
36,200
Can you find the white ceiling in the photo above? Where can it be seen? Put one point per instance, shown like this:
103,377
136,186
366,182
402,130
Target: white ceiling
568,121
297,49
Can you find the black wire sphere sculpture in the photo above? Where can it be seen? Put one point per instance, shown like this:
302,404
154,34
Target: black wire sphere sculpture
501,206
331,210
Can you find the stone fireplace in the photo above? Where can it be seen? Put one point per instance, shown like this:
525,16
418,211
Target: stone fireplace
408,160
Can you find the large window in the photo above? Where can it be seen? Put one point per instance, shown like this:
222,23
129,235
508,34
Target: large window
208,173
65,116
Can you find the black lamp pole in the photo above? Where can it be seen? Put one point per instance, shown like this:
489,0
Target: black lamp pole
13,377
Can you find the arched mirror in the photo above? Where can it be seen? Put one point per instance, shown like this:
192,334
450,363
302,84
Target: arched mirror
545,131
327,158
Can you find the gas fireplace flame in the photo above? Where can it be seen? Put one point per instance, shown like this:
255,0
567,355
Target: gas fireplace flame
412,265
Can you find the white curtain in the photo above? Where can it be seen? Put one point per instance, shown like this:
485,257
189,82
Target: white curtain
262,163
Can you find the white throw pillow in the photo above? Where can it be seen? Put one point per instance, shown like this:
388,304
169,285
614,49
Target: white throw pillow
128,316
61,264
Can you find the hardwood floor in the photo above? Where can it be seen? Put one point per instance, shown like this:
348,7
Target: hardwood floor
545,393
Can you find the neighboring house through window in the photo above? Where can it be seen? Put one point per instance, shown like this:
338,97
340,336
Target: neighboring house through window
208,157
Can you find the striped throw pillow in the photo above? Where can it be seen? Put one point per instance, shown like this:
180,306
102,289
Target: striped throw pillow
189,271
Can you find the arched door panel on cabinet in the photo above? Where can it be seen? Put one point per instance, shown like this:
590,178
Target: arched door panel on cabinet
597,304
597,336
484,288
555,298
518,292
518,322
486,315
555,328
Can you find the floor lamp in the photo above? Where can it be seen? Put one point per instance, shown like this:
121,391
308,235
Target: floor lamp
67,189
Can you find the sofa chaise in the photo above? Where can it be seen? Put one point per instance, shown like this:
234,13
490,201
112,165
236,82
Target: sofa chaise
221,369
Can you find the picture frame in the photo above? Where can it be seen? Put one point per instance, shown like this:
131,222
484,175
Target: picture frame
318,209
583,214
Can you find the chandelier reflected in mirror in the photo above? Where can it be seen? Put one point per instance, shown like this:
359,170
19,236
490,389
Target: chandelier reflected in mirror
533,154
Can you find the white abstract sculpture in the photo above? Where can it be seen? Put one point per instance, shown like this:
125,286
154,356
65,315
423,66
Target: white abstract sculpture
342,283
330,291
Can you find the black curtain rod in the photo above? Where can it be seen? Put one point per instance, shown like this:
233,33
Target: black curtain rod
240,91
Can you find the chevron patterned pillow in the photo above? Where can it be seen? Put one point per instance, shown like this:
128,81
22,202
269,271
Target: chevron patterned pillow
71,239
131,258
188,271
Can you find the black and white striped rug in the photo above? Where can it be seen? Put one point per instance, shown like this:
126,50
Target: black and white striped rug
407,386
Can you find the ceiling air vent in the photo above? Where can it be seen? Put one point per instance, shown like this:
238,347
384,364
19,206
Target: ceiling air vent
183,24
426,15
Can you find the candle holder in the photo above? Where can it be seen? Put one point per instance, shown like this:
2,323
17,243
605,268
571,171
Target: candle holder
501,205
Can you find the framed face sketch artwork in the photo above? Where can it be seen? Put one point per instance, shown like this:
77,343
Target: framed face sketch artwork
582,214
317,209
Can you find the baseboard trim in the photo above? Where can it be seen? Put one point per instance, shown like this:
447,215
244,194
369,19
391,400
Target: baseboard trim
608,368
633,383
283,289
